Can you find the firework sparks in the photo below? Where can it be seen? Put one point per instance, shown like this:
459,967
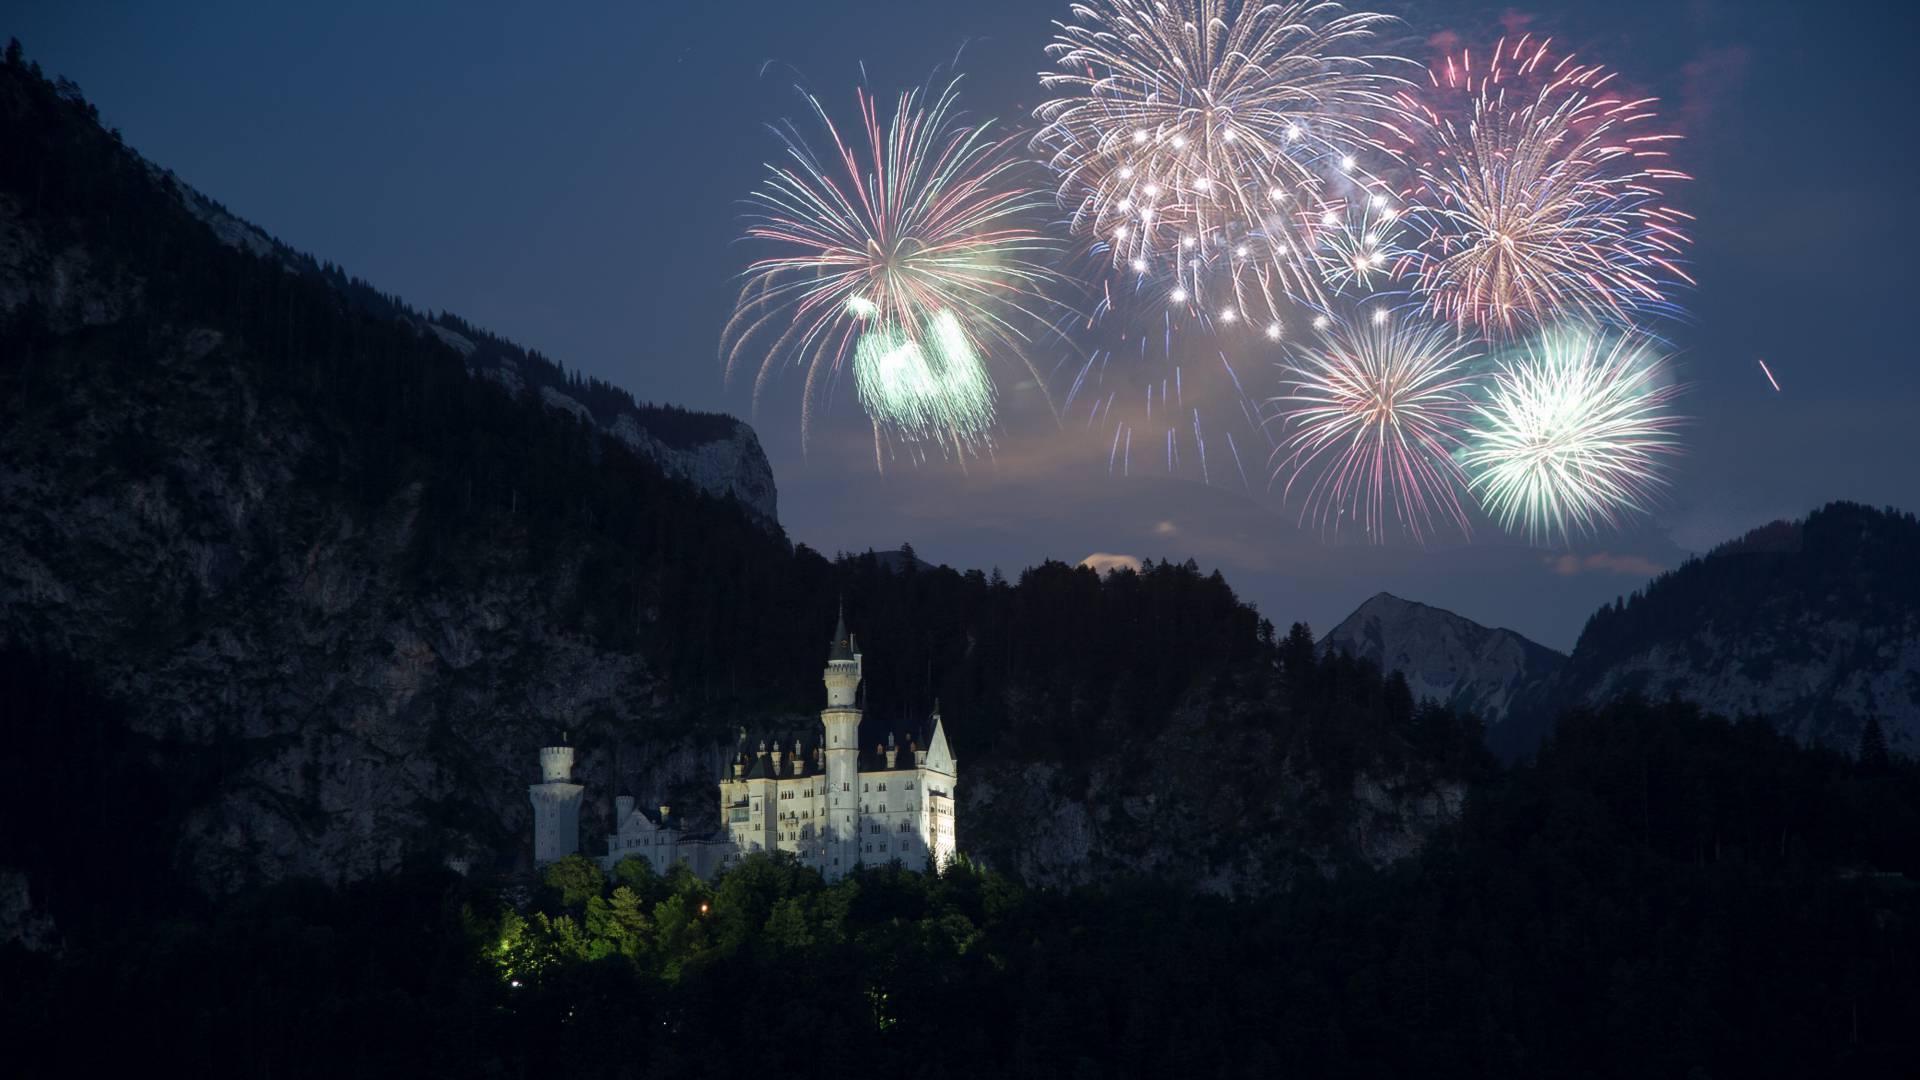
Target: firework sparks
1361,242
1374,413
927,385
1768,372
1573,434
1194,139
908,251
1540,194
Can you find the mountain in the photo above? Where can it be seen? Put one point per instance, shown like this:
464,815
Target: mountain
294,579
1494,673
716,453
1813,624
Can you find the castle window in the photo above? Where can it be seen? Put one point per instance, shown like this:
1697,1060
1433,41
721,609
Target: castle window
866,787
883,785
909,785
844,786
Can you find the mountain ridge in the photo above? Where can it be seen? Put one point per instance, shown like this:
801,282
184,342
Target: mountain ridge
1813,623
718,453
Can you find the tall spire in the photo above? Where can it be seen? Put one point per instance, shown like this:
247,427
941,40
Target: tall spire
842,647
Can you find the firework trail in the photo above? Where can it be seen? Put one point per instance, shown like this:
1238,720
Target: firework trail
1573,433
906,251
1539,194
1195,141
1374,414
1768,372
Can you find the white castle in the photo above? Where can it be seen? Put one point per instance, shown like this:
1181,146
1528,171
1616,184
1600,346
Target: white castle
833,806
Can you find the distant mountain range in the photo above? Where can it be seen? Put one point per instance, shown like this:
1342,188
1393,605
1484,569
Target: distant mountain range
1814,624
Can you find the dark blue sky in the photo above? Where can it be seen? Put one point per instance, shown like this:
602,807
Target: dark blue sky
570,180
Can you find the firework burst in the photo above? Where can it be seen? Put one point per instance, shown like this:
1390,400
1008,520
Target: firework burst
1194,140
1574,433
907,252
1373,417
1362,243
1539,193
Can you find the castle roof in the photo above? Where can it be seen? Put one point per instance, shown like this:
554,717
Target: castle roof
841,648
881,757
759,765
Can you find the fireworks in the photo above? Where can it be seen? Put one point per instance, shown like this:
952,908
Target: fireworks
1573,433
1362,242
909,253
1234,174
1374,415
928,384
1541,198
1193,139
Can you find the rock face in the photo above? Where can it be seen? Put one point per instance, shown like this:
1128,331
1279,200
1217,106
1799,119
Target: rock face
1495,674
731,464
1813,624
198,576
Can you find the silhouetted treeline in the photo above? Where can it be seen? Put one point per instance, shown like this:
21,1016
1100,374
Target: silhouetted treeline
1659,894
1843,556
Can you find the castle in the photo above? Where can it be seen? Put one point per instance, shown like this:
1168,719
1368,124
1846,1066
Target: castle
832,806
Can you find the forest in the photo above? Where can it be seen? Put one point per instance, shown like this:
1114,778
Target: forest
1658,893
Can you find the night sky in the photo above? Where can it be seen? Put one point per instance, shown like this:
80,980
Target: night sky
571,180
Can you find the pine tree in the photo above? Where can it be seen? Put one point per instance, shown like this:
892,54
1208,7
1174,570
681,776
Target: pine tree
1873,758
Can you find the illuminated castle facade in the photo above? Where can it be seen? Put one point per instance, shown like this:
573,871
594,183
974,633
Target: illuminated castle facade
833,805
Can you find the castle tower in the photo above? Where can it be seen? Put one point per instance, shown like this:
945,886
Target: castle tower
556,805
938,771
841,748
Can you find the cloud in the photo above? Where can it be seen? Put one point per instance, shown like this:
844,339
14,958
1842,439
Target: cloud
1711,79
1166,528
1104,563
1603,562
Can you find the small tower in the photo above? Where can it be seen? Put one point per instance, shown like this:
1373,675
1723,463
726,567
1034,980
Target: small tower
938,771
556,805
841,748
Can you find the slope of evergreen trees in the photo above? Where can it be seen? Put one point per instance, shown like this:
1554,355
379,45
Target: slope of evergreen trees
1659,894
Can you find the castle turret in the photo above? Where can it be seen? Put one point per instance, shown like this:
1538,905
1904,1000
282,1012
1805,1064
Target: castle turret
841,748
556,805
